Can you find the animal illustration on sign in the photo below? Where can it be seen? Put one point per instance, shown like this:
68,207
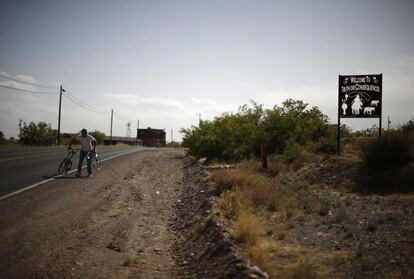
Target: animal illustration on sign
368,110
374,103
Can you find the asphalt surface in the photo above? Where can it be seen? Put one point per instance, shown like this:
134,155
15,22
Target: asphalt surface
23,166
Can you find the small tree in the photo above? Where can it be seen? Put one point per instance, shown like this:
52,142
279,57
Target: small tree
1,136
37,134
99,136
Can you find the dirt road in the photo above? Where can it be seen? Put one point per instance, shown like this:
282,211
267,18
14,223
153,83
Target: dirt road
113,225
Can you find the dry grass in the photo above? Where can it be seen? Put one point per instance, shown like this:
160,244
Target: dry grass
262,208
231,204
122,145
276,167
281,260
248,228
252,190
302,160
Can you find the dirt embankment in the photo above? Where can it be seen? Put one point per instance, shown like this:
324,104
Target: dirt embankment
313,224
144,215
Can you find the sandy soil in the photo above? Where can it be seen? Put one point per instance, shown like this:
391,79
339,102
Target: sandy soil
144,215
113,225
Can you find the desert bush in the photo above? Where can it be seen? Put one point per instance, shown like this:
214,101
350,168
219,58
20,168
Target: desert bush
237,136
230,204
252,164
294,158
394,149
386,163
408,127
276,166
252,190
304,158
226,180
292,151
248,229
37,134
99,136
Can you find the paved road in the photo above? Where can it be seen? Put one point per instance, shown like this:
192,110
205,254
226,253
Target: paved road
24,166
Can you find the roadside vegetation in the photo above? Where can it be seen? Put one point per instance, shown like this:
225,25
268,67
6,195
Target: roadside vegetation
99,136
37,134
42,134
304,216
4,142
387,162
240,135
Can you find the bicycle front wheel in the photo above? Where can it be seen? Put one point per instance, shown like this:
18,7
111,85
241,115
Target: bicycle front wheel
62,167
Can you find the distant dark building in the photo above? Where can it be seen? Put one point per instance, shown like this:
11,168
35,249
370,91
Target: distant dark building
120,140
151,137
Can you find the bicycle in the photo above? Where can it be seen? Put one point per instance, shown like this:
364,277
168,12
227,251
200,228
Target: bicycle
67,163
96,160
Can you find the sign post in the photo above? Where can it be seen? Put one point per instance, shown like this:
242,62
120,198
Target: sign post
359,96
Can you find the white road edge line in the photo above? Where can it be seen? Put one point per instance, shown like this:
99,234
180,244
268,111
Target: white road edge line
53,178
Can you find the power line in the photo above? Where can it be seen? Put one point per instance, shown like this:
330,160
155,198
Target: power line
121,117
29,83
102,110
27,91
68,95
81,105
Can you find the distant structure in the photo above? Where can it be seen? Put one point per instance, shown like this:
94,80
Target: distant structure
151,137
120,140
128,130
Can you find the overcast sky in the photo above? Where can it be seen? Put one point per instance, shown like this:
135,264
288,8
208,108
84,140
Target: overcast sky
162,62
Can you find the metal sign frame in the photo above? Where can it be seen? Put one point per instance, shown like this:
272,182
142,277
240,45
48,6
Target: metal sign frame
359,96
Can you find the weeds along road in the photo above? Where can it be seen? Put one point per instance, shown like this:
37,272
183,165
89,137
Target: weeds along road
24,166
113,225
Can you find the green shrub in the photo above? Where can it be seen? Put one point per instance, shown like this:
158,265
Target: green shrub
293,151
235,136
394,149
37,134
386,164
408,127
99,136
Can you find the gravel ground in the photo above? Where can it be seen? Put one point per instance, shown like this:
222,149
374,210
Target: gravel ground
142,216
375,232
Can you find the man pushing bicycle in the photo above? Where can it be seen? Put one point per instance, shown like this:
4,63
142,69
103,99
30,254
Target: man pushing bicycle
88,144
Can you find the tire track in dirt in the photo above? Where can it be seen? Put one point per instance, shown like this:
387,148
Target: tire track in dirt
145,215
114,225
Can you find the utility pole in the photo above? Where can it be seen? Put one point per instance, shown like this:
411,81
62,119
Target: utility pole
137,131
128,130
199,119
60,110
110,134
171,135
20,126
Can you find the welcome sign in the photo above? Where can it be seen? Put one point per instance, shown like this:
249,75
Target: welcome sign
360,96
